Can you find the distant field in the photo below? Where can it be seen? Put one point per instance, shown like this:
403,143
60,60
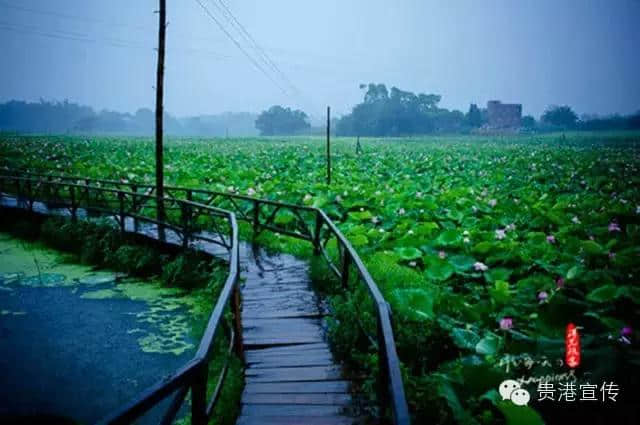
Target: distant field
486,247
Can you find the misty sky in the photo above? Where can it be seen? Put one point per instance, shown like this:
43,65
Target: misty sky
583,53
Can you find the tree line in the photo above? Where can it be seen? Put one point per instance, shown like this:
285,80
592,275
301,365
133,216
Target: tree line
381,113
67,117
397,112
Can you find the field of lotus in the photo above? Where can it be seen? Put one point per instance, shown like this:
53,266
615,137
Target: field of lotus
486,248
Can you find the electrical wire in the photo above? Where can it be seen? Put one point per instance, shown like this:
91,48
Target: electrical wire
239,46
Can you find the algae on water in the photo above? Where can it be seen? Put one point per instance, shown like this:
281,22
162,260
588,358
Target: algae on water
164,325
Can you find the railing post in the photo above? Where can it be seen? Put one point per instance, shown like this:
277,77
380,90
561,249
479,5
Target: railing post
121,202
189,195
134,206
29,196
256,217
72,195
48,191
316,236
199,396
185,211
346,262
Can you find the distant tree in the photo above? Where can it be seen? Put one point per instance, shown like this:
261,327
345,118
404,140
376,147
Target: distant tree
528,122
611,122
41,117
474,116
560,116
393,112
279,120
64,117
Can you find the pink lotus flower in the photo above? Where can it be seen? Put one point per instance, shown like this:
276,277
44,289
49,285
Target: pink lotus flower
493,202
551,239
614,227
506,323
560,282
626,331
500,234
542,296
442,255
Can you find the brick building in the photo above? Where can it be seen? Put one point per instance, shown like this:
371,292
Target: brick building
503,115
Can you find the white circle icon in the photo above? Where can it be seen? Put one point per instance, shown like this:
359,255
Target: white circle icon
507,387
520,397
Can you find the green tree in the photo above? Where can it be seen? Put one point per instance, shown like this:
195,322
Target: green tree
528,122
397,112
474,116
560,116
279,120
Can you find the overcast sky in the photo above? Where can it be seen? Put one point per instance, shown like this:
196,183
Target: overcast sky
101,53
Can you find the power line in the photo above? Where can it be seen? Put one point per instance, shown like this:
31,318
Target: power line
239,46
93,20
230,18
83,37
71,17
256,46
63,36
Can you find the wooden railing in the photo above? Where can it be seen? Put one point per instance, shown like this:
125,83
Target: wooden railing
298,221
187,226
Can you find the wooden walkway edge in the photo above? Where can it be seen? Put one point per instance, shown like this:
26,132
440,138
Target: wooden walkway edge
291,376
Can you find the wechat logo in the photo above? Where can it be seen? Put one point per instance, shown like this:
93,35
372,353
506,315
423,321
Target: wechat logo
511,390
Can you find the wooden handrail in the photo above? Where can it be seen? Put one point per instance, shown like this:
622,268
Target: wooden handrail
390,378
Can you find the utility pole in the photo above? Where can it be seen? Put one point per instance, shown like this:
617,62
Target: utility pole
328,145
162,26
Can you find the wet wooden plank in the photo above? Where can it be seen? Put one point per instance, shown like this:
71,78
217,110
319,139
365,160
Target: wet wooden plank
262,410
295,360
280,303
293,374
337,386
338,399
282,335
256,289
258,277
306,311
280,324
277,350
280,297
281,340
256,356
296,420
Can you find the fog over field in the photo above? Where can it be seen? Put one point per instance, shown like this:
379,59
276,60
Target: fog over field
101,54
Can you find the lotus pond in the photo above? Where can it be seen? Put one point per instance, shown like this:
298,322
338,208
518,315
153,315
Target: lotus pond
486,248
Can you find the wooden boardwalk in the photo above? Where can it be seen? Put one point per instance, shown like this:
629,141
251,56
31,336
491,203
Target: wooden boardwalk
290,376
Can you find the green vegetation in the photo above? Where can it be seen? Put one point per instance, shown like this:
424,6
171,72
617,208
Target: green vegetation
279,120
486,248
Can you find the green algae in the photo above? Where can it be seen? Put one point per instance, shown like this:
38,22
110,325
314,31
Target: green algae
13,313
31,264
99,294
168,323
